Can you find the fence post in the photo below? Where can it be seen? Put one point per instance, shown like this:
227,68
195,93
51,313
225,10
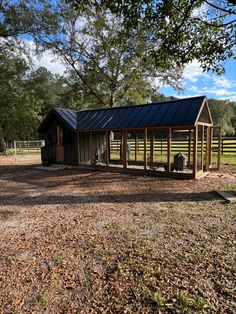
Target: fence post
161,147
222,145
15,150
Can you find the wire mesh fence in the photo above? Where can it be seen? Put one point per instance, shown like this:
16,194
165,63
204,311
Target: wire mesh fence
25,152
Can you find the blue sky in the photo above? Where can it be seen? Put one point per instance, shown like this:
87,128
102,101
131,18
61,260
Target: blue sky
196,83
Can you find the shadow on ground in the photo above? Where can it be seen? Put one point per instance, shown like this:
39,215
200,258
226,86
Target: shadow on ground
88,187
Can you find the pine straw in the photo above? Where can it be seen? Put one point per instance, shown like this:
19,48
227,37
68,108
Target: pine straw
94,242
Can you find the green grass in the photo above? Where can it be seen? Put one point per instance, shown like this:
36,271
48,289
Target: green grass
42,297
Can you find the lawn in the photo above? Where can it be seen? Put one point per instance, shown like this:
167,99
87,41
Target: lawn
76,241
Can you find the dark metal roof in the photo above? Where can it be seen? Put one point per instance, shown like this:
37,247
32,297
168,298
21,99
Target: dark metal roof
69,116
180,112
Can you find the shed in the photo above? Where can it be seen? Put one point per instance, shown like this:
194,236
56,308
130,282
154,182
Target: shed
139,138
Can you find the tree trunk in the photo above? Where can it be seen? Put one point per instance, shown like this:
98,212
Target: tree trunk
2,142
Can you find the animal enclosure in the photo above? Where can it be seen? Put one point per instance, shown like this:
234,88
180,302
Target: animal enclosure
146,137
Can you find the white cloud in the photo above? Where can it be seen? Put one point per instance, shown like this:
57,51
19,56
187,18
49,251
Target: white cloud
193,72
45,59
50,62
224,82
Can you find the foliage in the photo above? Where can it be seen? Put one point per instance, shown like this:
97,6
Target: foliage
26,97
18,109
109,61
223,113
178,31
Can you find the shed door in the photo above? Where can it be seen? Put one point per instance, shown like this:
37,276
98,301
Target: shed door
59,146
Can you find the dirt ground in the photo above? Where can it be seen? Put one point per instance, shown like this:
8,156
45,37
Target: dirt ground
76,241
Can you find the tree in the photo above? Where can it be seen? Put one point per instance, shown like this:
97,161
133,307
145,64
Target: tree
18,110
223,114
179,31
27,17
110,61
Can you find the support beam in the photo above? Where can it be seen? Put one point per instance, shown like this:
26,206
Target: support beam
90,146
145,149
124,150
210,147
202,146
121,146
136,146
189,146
207,153
107,148
169,151
78,148
195,142
219,148
152,147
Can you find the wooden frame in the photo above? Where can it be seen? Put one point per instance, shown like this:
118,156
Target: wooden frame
169,151
124,137
107,148
145,149
152,143
195,147
201,149
136,148
90,146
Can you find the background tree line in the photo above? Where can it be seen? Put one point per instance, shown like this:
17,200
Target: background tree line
116,53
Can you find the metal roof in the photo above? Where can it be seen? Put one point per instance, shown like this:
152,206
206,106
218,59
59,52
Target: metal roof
180,112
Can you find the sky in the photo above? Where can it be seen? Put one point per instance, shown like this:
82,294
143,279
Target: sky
195,81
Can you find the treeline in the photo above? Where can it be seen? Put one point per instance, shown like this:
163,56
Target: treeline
112,58
27,95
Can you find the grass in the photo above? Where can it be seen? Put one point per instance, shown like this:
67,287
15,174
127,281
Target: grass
226,159
42,297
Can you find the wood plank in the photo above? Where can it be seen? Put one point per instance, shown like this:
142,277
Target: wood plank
91,146
169,151
202,145
152,146
229,197
78,147
124,155
145,149
207,156
136,146
210,145
121,145
219,148
189,146
107,148
195,144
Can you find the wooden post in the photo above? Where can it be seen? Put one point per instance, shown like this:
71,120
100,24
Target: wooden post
90,146
169,151
107,148
145,149
78,148
202,146
207,153
189,146
210,145
195,142
219,148
152,147
124,150
121,146
136,141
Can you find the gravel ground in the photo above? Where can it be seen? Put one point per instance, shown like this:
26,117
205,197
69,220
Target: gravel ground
76,241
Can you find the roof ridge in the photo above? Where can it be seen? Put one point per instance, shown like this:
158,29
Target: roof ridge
133,106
